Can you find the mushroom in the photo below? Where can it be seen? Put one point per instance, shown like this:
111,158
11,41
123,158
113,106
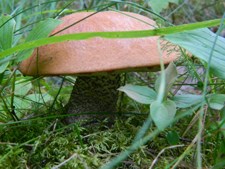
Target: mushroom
97,61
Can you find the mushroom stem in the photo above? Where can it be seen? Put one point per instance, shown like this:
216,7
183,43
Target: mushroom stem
92,95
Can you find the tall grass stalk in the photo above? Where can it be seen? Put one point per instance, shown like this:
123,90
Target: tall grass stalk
111,35
135,145
202,111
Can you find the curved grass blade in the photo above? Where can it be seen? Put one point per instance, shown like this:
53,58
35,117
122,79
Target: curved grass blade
41,30
6,36
111,35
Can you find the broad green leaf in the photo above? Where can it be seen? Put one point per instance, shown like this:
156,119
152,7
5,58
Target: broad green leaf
219,164
7,25
41,30
216,101
1,77
22,89
39,98
174,1
219,161
200,42
158,5
172,137
221,123
141,94
3,67
171,75
222,114
20,105
163,113
187,100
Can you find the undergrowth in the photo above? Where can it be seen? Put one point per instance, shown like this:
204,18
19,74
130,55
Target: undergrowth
46,144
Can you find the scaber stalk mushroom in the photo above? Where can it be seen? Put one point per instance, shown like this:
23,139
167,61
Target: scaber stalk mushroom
97,61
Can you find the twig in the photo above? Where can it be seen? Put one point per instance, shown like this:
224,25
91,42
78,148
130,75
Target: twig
15,144
64,162
162,151
67,160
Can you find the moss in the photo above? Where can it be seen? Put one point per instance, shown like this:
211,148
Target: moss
89,146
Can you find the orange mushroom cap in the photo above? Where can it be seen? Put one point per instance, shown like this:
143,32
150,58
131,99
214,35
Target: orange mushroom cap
98,54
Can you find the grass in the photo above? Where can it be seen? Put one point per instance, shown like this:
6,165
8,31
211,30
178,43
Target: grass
32,134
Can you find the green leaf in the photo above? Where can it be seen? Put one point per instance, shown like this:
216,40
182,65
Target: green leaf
187,100
171,75
7,25
220,162
141,94
39,98
22,89
216,101
3,67
222,114
163,113
41,30
199,42
21,105
158,5
1,77
172,137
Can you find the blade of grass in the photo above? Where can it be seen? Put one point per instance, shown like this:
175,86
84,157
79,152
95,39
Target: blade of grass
135,5
123,155
112,35
201,125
